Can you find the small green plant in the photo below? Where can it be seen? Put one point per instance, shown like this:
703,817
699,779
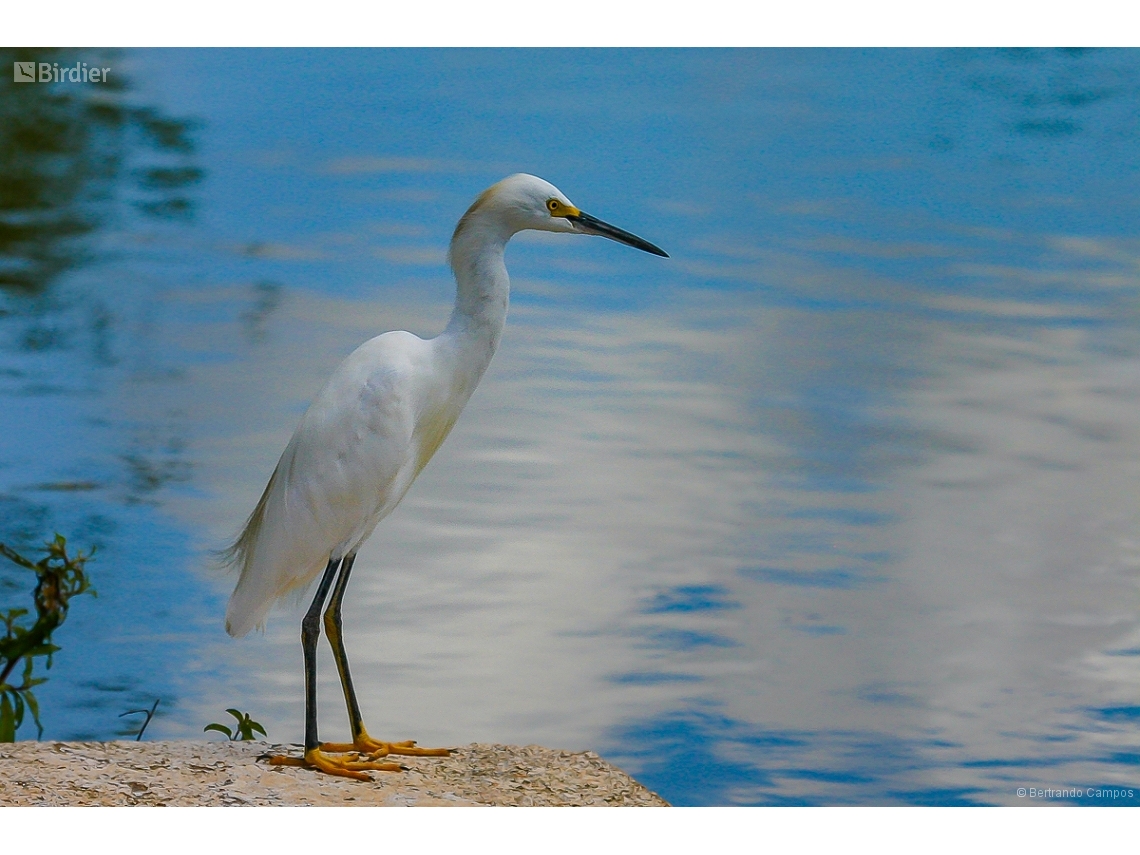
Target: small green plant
59,578
244,730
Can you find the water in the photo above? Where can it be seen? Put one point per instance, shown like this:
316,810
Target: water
838,505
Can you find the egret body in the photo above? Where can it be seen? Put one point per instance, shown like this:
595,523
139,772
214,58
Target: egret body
370,431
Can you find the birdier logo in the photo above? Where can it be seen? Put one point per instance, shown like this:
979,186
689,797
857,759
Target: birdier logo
52,72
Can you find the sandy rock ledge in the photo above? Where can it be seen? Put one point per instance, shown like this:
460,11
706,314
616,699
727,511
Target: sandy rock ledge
234,773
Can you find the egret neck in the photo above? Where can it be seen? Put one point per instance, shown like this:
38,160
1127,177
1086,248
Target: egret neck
482,295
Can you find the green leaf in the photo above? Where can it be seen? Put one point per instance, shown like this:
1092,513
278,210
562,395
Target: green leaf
16,558
258,728
7,719
39,650
220,728
34,706
235,713
18,702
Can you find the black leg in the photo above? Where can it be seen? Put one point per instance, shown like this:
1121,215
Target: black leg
336,640
310,632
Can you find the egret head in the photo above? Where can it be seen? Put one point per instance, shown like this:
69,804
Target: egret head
527,202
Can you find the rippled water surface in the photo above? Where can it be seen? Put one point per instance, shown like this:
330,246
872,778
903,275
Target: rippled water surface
838,505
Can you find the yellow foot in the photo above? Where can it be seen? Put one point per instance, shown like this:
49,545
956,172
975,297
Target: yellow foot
365,744
348,766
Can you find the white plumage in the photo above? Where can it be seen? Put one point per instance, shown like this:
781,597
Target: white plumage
350,461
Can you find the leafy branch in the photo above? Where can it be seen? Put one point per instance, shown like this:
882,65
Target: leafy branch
244,729
59,578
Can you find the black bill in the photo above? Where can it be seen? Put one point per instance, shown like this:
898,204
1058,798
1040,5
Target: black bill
594,226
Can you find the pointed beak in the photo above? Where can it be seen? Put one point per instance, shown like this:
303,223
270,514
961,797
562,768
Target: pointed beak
593,226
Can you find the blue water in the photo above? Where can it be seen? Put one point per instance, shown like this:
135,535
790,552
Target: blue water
837,505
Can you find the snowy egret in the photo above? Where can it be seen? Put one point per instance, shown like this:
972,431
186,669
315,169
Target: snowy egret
368,434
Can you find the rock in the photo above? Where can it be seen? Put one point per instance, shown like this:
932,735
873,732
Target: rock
235,773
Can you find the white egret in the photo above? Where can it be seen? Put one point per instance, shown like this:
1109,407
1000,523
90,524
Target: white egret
368,434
